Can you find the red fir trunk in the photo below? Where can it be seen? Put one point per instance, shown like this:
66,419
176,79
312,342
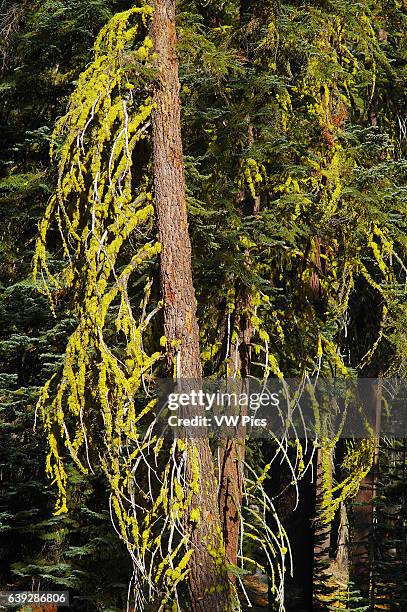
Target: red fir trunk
207,580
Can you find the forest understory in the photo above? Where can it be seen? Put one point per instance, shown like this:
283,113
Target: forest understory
203,192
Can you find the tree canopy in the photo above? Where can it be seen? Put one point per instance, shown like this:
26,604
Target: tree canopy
292,117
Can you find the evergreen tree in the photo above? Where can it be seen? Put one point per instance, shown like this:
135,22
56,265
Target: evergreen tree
293,151
44,46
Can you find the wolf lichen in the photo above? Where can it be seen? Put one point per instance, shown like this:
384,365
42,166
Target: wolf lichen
104,210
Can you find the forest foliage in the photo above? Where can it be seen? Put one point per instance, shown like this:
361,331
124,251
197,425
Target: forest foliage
294,136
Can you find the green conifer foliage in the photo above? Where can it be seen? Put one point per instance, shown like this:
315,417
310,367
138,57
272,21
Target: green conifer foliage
327,161
299,107
46,46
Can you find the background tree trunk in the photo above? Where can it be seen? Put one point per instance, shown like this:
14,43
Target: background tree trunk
231,452
208,582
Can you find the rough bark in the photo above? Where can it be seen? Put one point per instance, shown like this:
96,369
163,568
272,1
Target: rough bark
322,538
231,452
207,580
231,457
180,321
322,531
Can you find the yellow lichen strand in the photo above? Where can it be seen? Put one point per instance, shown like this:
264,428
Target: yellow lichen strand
96,409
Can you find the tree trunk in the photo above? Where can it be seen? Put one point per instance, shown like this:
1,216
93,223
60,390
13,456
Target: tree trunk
208,582
323,461
231,452
322,534
180,321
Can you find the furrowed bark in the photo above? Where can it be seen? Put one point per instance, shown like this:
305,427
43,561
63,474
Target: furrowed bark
322,539
208,583
322,531
231,452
